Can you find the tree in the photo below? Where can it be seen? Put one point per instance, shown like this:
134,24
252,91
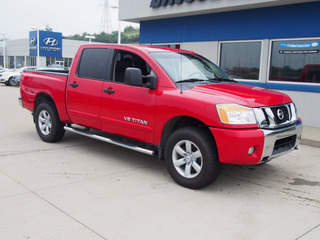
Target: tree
130,35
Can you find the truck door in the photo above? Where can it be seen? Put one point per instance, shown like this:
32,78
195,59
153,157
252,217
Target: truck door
84,88
128,110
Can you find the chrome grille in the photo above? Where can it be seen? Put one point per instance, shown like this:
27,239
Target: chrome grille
276,116
281,114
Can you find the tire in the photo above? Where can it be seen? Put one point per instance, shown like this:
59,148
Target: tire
48,124
12,82
7,83
191,157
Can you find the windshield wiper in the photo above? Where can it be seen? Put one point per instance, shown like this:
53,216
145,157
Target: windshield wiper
222,80
191,80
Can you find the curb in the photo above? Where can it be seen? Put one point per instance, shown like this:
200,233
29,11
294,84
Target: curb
310,143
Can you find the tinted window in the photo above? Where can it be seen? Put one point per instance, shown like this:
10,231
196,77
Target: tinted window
295,61
241,60
92,63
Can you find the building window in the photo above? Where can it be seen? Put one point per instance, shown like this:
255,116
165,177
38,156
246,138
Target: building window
67,62
241,60
58,62
20,61
31,61
295,61
11,62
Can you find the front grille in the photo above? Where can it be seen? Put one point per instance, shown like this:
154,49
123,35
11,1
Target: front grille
276,116
281,114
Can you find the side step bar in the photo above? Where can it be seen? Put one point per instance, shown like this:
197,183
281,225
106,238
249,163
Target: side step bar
109,140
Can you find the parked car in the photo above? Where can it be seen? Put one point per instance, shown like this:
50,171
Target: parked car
4,73
1,71
7,76
16,80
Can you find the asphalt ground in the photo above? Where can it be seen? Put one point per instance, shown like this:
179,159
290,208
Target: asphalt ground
81,188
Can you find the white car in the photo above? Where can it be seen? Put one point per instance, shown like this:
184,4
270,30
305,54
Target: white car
7,76
2,69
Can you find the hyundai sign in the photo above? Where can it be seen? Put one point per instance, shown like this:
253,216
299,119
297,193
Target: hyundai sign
50,44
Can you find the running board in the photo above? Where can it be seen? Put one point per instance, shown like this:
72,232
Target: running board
109,140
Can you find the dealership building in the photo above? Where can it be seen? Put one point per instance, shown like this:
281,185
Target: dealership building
273,44
53,49
265,43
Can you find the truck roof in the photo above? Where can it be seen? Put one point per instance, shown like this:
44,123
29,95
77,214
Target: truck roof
145,48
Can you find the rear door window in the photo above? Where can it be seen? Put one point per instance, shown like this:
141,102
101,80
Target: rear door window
93,63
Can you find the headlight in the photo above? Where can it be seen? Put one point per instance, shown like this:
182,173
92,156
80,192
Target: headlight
235,114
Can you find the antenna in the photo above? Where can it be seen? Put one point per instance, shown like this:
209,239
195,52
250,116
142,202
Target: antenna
181,92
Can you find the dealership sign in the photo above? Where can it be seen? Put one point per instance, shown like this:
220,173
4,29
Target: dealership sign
163,3
50,44
300,45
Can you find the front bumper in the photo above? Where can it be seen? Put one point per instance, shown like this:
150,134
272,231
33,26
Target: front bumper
281,141
234,144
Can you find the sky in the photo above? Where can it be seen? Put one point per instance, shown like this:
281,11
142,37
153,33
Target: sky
70,17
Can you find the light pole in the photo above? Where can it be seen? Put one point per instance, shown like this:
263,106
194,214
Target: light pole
90,37
119,25
4,49
119,33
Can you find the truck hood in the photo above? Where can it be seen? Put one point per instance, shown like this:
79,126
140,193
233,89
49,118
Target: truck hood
243,94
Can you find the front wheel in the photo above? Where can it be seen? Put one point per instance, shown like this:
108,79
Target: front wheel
12,82
48,124
191,157
7,83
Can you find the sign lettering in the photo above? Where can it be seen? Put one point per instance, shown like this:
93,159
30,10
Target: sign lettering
163,3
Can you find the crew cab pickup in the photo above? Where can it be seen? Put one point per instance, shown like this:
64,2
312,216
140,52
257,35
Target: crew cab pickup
166,102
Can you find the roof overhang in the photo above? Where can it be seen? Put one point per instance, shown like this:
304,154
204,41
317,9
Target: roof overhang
141,10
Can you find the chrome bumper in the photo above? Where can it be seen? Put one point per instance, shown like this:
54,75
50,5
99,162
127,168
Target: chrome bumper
281,141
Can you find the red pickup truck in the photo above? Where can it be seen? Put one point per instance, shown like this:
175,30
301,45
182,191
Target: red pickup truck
171,103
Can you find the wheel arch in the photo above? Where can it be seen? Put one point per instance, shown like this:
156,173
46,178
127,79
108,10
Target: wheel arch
176,123
7,82
40,98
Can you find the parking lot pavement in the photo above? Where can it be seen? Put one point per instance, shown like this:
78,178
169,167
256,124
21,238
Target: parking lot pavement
81,188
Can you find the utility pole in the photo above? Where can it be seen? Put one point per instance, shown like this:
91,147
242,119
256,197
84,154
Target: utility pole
4,49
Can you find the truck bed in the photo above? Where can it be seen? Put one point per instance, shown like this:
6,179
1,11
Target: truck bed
47,82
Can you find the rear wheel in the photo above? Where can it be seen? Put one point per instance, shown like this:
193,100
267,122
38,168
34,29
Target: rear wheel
191,157
48,124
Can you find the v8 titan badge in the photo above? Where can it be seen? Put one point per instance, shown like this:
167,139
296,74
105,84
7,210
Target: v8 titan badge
136,120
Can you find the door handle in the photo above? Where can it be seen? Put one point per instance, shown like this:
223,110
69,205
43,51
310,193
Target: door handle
74,84
110,91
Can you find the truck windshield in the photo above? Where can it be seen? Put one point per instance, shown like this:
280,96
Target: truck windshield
186,67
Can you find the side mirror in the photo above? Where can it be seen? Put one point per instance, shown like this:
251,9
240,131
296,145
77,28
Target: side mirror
133,77
152,81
